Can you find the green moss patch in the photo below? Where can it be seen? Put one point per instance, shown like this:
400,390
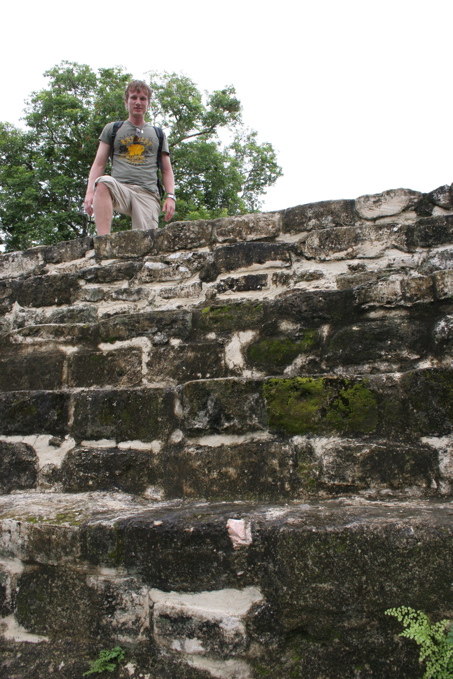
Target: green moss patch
314,405
295,405
281,351
355,409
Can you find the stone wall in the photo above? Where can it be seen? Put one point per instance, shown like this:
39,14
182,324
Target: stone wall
227,446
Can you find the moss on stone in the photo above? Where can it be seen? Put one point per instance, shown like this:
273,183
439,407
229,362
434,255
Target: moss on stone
281,351
25,409
295,405
117,553
354,410
230,317
302,405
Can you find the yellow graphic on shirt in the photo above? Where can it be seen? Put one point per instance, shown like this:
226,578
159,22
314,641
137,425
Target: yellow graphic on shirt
133,147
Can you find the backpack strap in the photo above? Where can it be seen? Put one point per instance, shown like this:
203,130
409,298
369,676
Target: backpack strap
116,127
160,136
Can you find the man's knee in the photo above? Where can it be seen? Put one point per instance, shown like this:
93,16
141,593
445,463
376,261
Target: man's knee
102,191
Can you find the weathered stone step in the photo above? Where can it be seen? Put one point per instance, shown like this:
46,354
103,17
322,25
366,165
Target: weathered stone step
236,438
400,406
224,590
255,466
303,333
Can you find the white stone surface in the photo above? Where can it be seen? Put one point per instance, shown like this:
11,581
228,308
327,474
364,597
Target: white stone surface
385,204
221,669
12,631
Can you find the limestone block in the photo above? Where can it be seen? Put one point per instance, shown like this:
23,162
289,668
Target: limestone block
242,283
417,404
123,414
273,354
124,245
38,291
57,600
319,404
330,243
206,623
354,280
67,251
83,313
417,289
222,406
247,227
314,307
229,317
154,271
437,261
339,465
319,216
290,280
182,362
429,232
387,340
443,335
91,294
88,469
183,291
184,236
16,264
30,371
115,368
128,605
427,393
18,467
243,255
384,292
128,294
34,412
173,547
228,469
63,333
443,281
27,539
174,323
361,549
386,204
442,197
109,273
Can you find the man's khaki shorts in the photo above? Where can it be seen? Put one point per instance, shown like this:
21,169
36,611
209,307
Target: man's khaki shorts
135,201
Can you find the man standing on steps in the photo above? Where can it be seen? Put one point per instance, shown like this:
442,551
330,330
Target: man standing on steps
133,187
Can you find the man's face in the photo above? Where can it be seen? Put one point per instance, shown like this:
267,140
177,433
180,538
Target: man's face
137,103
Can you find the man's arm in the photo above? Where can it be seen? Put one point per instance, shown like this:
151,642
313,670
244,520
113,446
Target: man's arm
97,170
168,181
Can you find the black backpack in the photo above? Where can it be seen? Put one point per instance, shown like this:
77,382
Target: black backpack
160,136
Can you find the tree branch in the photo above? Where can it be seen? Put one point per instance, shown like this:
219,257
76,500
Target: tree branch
195,134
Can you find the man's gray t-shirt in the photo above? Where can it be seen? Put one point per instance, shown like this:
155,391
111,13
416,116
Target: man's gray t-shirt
135,154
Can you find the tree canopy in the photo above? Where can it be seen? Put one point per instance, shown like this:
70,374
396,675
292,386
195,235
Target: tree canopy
44,168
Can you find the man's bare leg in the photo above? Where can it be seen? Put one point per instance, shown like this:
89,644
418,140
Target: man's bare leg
103,209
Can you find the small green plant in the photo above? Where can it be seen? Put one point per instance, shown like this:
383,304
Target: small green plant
107,661
435,640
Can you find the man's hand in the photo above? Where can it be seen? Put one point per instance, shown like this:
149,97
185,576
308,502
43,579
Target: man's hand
168,209
88,203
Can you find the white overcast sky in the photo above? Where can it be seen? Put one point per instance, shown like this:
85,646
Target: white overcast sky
354,95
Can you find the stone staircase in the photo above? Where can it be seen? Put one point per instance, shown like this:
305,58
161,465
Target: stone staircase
228,446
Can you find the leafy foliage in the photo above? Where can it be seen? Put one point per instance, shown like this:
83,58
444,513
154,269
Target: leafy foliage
435,640
43,170
107,661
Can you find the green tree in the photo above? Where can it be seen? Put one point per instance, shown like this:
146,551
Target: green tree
44,169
